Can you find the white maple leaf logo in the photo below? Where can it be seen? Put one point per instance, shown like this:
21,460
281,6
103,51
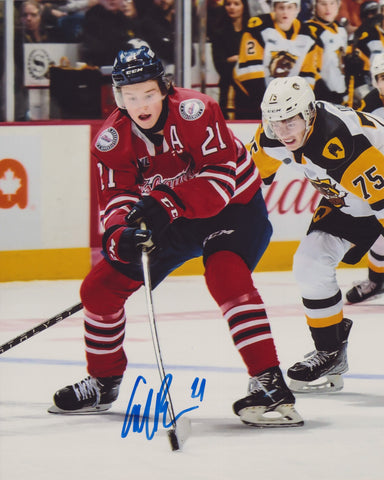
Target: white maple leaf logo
9,183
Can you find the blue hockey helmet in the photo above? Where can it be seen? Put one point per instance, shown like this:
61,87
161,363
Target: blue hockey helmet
136,65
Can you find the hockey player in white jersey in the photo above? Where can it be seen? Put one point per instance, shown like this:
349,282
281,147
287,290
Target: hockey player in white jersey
332,40
273,45
374,284
341,152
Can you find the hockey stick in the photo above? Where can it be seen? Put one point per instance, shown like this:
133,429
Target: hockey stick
351,90
39,328
172,432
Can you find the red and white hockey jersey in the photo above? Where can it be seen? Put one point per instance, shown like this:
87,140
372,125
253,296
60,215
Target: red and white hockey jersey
200,159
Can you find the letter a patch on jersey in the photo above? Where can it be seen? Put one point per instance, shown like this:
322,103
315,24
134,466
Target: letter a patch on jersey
334,149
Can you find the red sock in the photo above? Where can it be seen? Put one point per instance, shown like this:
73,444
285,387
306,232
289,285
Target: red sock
104,337
230,284
104,292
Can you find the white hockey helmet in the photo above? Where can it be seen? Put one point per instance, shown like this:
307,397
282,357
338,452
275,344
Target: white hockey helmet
377,67
284,98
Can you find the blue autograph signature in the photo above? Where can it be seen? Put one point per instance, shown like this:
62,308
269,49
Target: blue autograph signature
139,420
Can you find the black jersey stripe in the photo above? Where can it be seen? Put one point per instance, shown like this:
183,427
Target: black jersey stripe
251,333
323,303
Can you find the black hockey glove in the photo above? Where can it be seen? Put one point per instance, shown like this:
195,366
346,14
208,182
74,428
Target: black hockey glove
157,211
354,67
125,244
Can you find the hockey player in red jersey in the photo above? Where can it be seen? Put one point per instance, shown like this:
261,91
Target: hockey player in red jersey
174,178
341,153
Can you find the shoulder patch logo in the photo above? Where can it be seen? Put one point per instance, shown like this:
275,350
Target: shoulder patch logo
334,149
191,109
254,22
107,140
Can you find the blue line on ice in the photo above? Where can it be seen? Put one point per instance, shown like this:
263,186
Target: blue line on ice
204,368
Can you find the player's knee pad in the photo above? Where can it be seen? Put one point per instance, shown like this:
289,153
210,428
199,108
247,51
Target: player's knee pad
315,262
105,290
227,276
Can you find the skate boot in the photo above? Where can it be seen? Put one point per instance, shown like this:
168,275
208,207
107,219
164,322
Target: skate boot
364,290
270,403
323,368
91,395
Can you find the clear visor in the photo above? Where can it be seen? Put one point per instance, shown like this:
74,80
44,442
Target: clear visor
139,100
290,126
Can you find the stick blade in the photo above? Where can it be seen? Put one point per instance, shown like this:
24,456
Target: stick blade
173,440
178,435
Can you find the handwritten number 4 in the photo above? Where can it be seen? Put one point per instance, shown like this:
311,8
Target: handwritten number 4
195,386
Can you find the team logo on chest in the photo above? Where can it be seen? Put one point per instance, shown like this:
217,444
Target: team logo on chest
191,109
107,140
334,149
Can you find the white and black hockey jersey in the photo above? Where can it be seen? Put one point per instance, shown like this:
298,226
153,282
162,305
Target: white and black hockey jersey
373,103
332,41
267,52
343,158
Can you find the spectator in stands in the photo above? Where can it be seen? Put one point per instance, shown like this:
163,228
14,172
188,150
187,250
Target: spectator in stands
31,28
70,18
225,47
158,28
133,12
273,45
104,33
34,28
215,14
332,39
350,14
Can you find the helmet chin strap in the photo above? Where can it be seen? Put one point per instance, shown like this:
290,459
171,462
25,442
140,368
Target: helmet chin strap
151,133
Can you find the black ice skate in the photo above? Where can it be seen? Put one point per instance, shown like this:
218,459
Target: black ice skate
91,395
322,367
364,290
270,403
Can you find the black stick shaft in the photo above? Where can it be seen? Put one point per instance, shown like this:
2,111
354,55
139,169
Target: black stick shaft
156,344
39,328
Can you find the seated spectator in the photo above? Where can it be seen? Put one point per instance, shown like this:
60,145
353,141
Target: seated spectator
70,18
133,12
34,25
104,33
225,40
30,28
215,14
158,29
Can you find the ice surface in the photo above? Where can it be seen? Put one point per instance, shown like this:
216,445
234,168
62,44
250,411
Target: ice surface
343,435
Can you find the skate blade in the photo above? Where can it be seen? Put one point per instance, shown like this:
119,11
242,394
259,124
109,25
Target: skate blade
81,411
284,415
326,384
